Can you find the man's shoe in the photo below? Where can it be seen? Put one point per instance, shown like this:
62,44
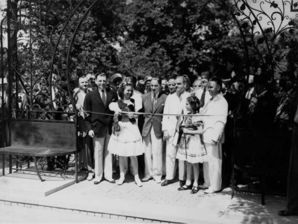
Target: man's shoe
181,183
184,187
146,179
287,213
194,190
112,181
166,182
90,176
157,180
203,187
97,180
209,191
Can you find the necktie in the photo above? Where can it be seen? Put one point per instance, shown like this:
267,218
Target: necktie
103,97
202,100
153,101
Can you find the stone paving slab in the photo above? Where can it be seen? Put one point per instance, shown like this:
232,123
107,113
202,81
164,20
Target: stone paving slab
150,201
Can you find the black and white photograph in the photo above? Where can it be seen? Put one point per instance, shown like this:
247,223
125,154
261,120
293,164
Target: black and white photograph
149,111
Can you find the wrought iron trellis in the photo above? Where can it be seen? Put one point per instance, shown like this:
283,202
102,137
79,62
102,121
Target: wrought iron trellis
294,5
263,21
13,75
12,72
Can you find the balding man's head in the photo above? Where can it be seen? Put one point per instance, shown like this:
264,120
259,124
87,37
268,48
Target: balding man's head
83,83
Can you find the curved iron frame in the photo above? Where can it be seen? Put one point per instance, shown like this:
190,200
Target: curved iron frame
254,14
10,68
53,57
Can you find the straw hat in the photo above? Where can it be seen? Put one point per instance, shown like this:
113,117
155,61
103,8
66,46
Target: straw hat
115,77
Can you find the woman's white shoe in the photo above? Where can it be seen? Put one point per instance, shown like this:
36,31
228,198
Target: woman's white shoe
120,181
138,182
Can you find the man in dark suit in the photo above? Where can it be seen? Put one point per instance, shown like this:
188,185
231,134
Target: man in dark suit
99,126
292,193
153,102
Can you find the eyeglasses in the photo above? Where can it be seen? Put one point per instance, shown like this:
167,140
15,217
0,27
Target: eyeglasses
195,86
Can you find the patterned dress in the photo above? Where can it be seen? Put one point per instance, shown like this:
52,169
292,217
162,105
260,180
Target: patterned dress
190,146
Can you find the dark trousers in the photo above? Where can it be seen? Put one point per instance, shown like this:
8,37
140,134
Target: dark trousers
292,189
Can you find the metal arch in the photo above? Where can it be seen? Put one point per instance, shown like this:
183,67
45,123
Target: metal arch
9,60
69,51
253,17
54,51
56,46
1,65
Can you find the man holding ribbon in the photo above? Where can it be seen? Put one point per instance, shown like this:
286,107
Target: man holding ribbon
99,122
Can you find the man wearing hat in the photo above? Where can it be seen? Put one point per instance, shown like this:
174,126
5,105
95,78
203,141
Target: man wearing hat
115,81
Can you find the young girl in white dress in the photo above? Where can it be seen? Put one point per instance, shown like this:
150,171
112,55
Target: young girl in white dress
126,140
190,146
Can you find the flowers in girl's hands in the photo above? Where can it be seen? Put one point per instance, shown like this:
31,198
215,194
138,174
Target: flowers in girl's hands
200,129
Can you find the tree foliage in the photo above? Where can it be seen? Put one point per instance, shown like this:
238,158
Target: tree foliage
143,37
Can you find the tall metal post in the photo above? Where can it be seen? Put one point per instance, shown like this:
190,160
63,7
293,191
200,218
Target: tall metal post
9,68
10,76
2,96
2,67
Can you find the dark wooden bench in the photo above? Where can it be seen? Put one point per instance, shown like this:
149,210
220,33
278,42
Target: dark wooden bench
40,139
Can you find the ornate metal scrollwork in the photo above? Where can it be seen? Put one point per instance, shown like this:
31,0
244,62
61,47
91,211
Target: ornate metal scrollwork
264,16
262,22
294,5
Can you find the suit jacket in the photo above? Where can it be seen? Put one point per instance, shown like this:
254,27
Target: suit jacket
100,124
153,120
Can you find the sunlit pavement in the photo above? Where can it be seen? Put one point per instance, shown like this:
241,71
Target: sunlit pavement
11,213
128,203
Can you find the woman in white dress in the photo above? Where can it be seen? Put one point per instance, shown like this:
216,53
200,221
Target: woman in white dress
126,140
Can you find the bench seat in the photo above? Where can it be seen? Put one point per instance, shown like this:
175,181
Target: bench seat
35,151
36,138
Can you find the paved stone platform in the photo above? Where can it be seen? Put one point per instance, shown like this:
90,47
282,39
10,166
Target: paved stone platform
150,202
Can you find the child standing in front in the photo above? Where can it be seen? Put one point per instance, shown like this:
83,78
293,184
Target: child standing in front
190,146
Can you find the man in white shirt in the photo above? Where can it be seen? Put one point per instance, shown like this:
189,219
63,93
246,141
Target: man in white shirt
216,112
175,104
172,85
86,153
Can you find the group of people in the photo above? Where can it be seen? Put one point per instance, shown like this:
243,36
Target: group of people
165,124
188,124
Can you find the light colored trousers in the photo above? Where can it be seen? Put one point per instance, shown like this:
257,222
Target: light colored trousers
213,166
102,158
153,155
171,152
